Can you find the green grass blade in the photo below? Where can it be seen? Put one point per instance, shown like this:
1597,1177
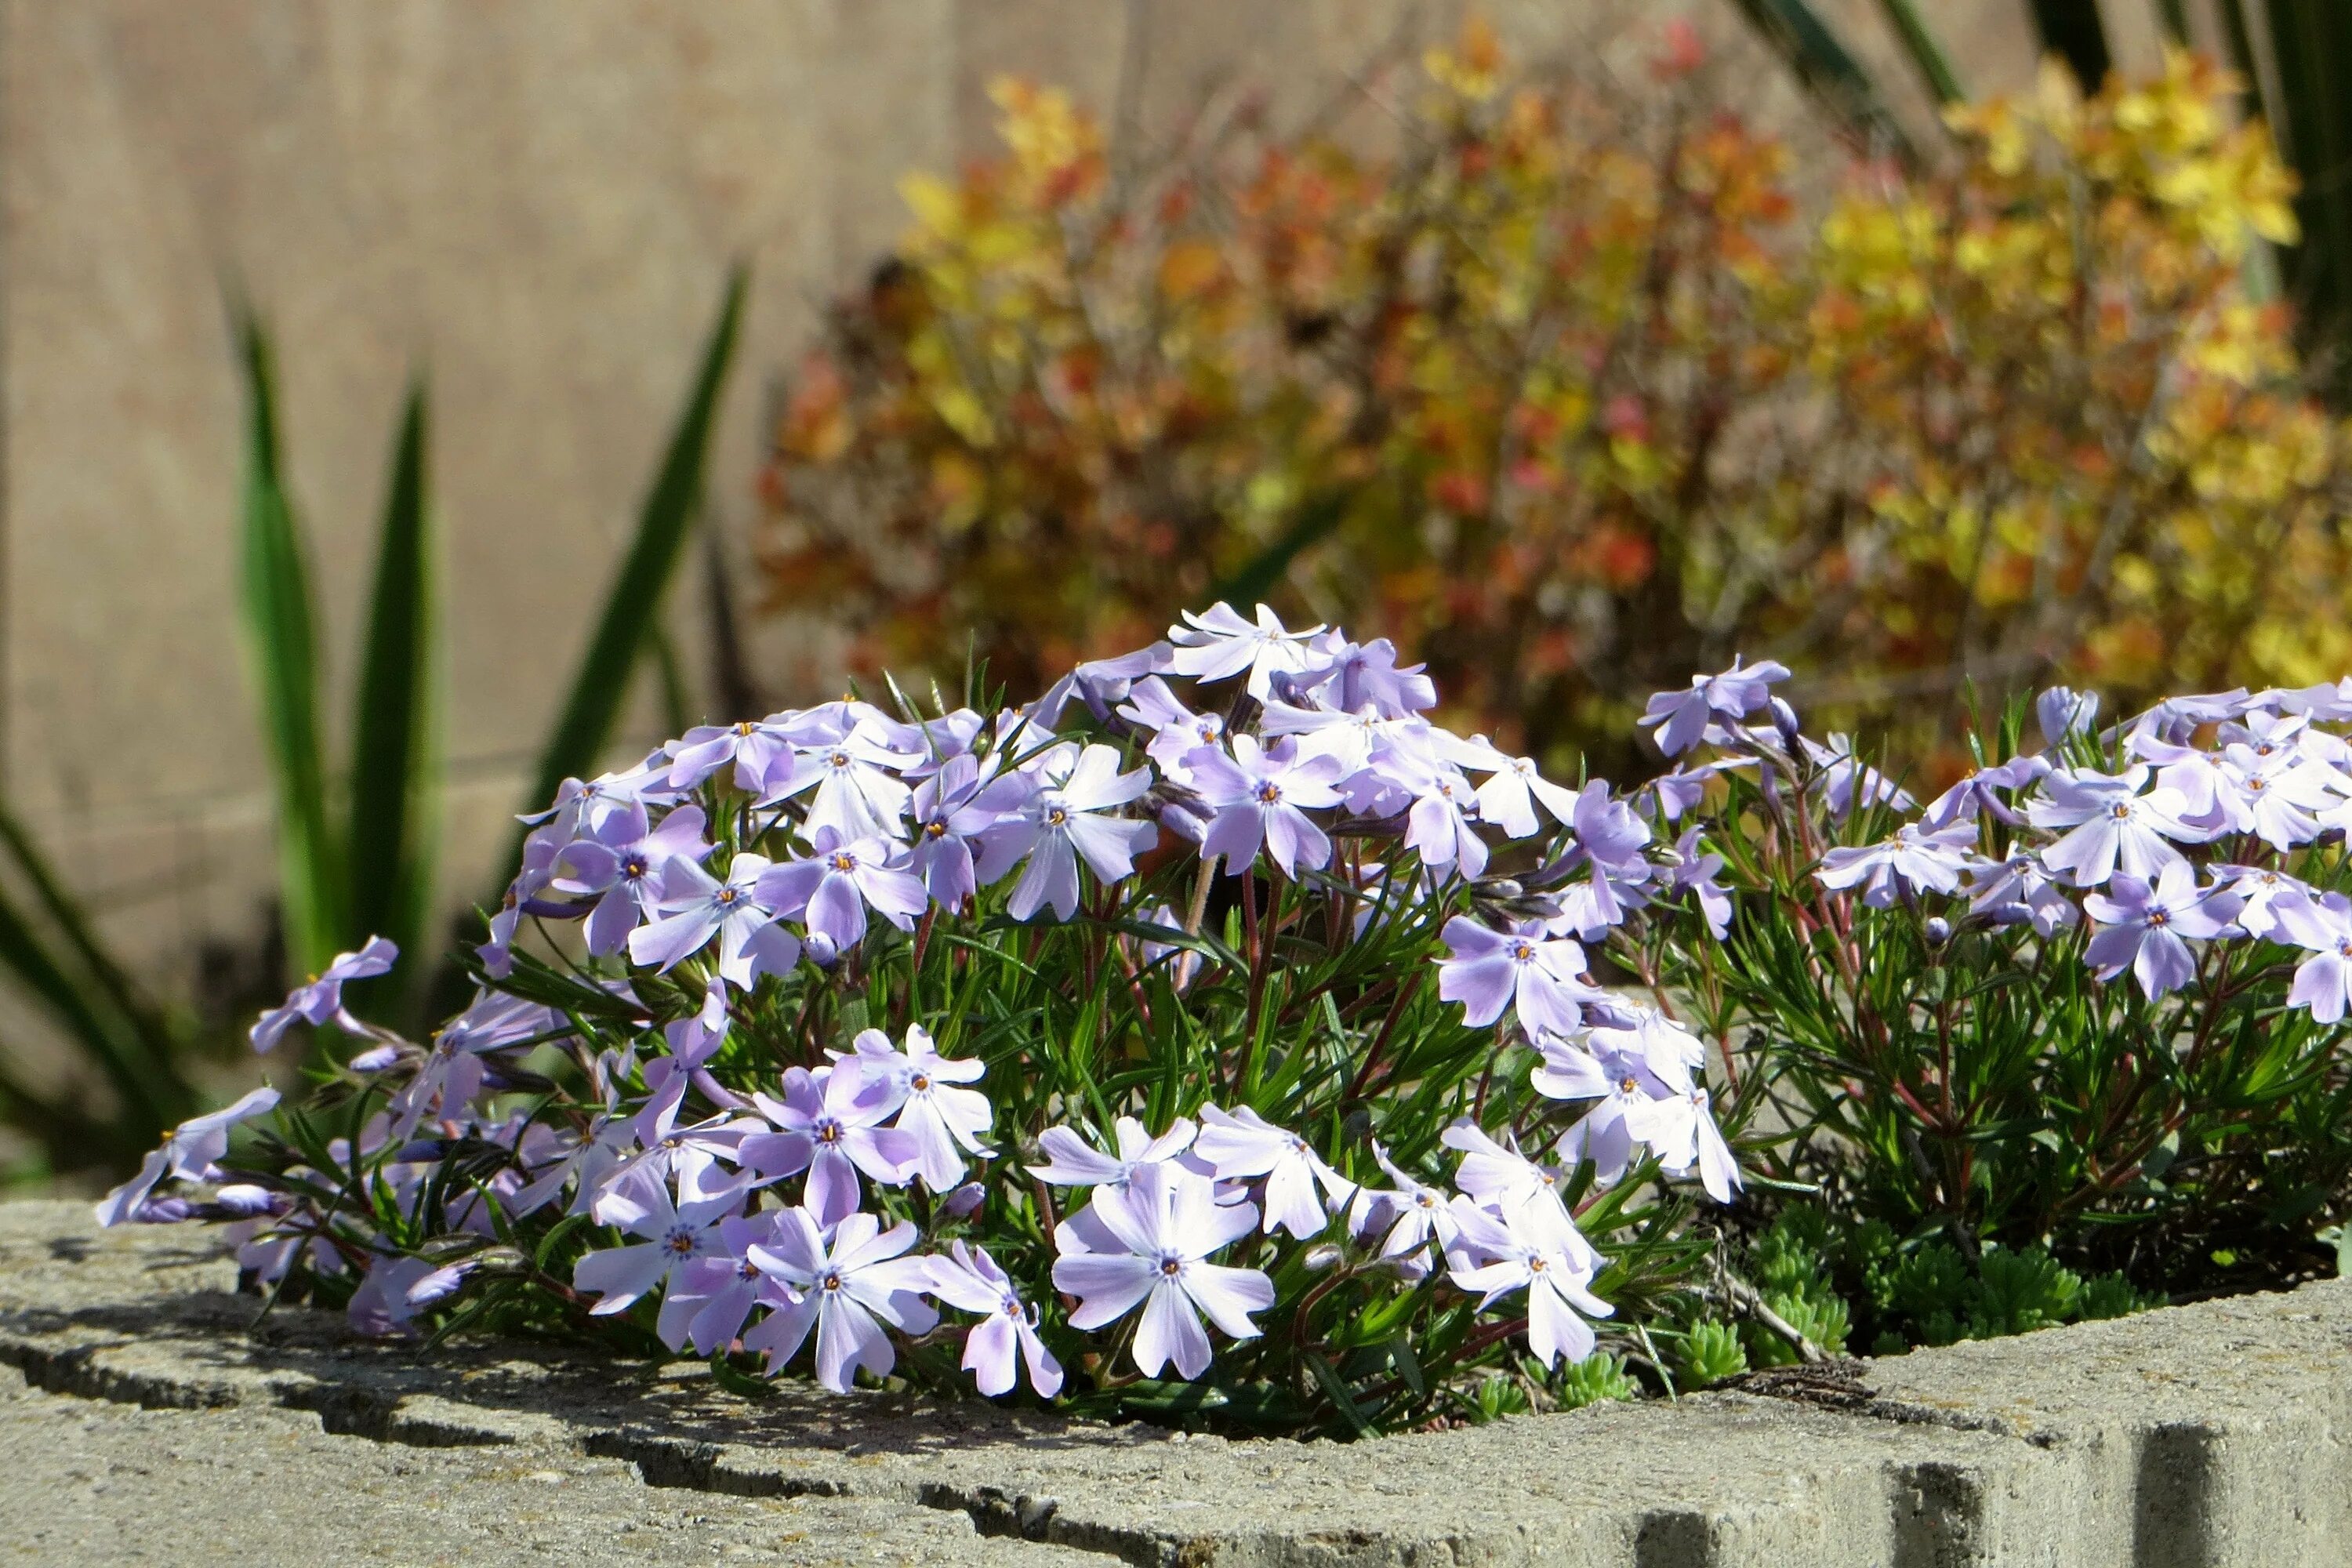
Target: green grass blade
395,758
1256,577
1926,52
282,649
585,726
105,975
1828,70
151,1093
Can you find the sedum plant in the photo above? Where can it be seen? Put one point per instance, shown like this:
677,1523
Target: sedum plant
1197,1041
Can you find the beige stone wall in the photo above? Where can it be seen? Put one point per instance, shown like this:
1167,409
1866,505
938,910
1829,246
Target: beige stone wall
533,202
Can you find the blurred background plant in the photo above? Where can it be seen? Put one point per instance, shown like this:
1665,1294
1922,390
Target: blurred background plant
1570,394
355,844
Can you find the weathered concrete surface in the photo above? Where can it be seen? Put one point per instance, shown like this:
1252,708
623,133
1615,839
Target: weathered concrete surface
2211,1435
86,1482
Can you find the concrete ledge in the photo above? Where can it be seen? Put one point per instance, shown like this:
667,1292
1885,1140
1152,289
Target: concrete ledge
2206,1435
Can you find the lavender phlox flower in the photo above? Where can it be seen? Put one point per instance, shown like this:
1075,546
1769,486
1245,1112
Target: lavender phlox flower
829,1123
1072,1161
1509,798
1490,970
1685,1136
2145,926
535,1146
1471,753
1441,821
856,779
942,739
2063,711
2271,903
581,807
1147,1246
1100,683
1679,792
1681,718
1350,737
585,1161
846,1280
1980,792
1698,872
2115,826
1060,823
1916,859
1262,796
1239,1145
920,1087
708,1301
830,891
2179,718
1350,676
453,1070
829,722
265,1247
693,1041
319,1000
2329,702
1664,1046
1846,782
1498,1177
698,907
1610,839
2265,733
1542,1253
191,1154
1635,1107
967,1276
1175,730
540,848
688,1155
2280,795
2017,888
1219,645
620,866
676,1234
1719,1169
952,809
2323,982
1411,1215
753,748
385,1304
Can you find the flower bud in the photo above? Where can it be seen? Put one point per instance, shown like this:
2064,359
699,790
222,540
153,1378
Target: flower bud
242,1200
1321,1259
964,1200
1939,930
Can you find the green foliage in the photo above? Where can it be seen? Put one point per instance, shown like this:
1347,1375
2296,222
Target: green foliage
282,645
631,617
355,846
55,960
396,739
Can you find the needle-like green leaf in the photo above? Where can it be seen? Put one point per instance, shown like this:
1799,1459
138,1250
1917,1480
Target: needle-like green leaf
395,759
624,629
282,651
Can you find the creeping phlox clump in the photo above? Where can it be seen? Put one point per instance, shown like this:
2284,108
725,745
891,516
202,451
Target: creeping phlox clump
2090,998
1215,1017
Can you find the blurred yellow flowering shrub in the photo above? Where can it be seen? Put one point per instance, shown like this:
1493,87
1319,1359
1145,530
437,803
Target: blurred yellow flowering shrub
1571,397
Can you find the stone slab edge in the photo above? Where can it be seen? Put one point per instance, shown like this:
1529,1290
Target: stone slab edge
2214,1434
